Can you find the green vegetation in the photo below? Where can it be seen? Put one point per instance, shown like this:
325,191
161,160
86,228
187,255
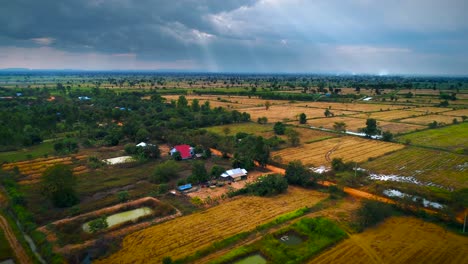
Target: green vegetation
41,150
317,233
268,185
372,212
98,224
165,171
249,128
299,174
5,250
58,184
453,138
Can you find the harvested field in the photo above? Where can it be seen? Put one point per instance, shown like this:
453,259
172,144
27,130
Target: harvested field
185,235
33,169
425,120
454,137
357,107
390,115
353,124
309,135
440,167
430,110
290,113
224,100
460,112
399,240
348,148
265,130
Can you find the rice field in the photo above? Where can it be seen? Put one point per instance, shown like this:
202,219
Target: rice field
459,112
430,109
440,167
390,115
290,113
354,124
185,235
357,107
425,120
265,130
454,137
399,240
348,148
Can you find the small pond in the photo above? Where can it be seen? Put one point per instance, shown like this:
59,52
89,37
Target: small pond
252,259
123,217
290,239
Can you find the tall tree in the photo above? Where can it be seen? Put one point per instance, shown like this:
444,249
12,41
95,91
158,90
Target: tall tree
371,128
302,118
58,184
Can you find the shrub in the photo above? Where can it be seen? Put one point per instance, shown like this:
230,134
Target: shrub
98,224
165,171
372,212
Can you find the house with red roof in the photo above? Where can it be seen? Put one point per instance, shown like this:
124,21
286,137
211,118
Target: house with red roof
186,151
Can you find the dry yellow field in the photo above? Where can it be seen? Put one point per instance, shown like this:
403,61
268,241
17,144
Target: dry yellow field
399,240
460,112
358,107
185,235
425,120
353,124
233,101
307,134
348,148
287,112
430,109
390,115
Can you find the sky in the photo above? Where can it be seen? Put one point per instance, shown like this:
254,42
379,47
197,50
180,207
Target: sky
261,36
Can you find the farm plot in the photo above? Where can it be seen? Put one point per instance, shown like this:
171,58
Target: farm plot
185,235
231,101
357,107
390,115
289,113
430,110
453,137
354,124
425,120
265,130
399,240
440,167
460,112
33,169
348,148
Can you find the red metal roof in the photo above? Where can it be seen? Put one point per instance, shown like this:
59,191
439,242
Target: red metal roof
184,151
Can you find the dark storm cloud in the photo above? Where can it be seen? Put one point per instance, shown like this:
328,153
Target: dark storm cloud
109,26
370,36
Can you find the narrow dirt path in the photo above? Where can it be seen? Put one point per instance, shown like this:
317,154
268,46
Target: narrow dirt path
20,253
327,156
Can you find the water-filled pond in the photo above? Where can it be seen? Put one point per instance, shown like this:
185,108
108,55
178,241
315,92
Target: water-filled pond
123,217
291,239
252,259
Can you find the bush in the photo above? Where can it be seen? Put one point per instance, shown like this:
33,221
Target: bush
267,186
123,196
279,128
373,212
339,165
165,171
98,224
298,174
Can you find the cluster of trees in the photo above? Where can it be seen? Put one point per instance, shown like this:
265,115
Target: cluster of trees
268,185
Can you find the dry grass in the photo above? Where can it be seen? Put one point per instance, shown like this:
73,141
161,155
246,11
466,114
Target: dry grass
399,240
185,235
228,101
348,148
354,124
425,120
288,112
358,107
460,112
430,109
390,115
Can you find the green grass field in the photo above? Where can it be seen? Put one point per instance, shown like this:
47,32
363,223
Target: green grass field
440,167
453,138
38,151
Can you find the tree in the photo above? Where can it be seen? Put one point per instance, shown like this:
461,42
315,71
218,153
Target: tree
123,196
387,136
262,120
340,126
371,128
339,165
267,105
216,171
142,135
199,172
268,185
302,118
293,137
165,171
328,113
279,128
58,184
298,174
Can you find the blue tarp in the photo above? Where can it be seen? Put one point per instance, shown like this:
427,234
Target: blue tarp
184,187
